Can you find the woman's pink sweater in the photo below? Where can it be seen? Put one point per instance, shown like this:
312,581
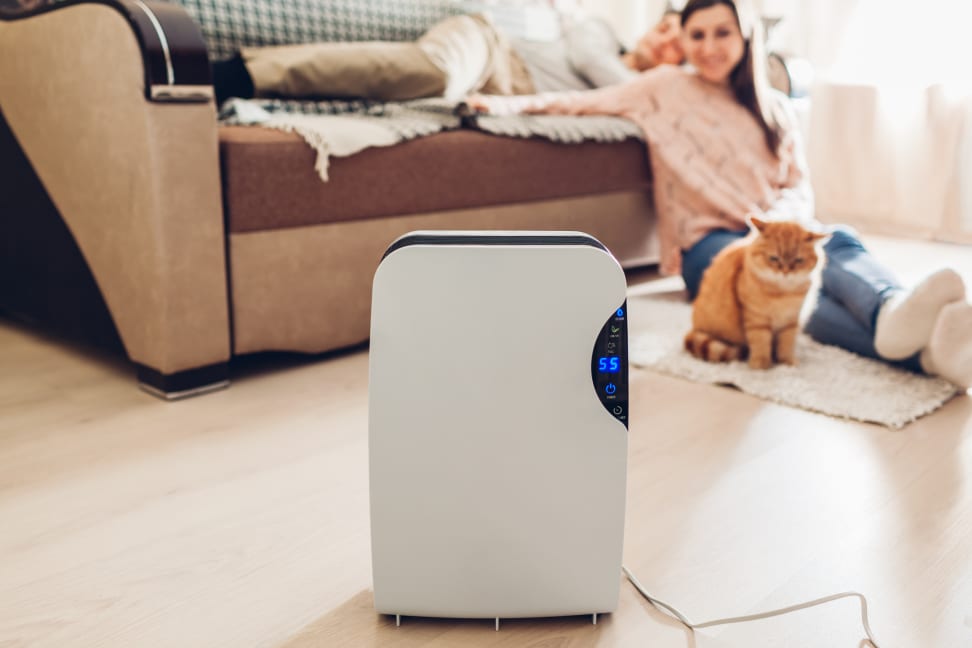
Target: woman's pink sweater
711,165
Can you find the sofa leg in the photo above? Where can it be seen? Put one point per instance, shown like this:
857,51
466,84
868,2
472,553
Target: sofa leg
182,384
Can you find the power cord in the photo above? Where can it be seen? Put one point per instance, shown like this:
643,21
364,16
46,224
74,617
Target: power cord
753,617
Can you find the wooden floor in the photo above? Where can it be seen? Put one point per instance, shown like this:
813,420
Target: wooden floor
241,518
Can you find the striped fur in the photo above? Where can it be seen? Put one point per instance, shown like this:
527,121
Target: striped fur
712,349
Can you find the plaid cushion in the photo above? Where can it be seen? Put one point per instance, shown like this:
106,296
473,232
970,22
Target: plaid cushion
228,25
230,111
236,111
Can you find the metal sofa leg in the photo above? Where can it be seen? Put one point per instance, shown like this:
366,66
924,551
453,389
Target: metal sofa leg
183,384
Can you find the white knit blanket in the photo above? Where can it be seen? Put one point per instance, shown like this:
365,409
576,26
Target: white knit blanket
346,134
827,379
561,128
391,123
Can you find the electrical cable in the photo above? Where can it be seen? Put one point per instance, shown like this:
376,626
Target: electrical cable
754,617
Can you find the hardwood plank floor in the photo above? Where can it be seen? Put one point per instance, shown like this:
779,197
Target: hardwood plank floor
241,518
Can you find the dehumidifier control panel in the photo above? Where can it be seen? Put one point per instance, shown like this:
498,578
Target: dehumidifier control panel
609,364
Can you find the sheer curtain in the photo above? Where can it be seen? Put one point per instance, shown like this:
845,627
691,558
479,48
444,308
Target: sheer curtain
891,121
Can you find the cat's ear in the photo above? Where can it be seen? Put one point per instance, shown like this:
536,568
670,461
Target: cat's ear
813,237
758,223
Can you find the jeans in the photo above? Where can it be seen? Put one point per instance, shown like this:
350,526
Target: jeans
853,288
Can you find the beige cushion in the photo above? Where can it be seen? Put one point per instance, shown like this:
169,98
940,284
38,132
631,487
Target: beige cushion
376,70
457,56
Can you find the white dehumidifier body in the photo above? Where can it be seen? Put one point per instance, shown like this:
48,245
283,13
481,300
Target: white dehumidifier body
497,425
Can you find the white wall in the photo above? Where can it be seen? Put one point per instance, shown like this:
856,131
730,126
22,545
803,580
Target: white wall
629,18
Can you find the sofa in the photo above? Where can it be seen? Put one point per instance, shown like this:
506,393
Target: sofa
132,218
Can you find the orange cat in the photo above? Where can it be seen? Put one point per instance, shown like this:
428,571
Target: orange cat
751,296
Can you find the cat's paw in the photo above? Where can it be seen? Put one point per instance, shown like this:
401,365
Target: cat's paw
760,362
793,362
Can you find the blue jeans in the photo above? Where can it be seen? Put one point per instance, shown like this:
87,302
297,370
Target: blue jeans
853,288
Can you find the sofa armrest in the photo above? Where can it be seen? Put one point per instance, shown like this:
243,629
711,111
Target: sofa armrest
111,103
173,50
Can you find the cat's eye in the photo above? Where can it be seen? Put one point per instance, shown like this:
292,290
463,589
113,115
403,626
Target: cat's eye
798,260
774,259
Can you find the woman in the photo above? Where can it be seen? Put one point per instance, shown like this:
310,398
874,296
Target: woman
724,147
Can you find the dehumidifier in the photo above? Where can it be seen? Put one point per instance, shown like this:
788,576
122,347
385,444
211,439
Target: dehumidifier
498,416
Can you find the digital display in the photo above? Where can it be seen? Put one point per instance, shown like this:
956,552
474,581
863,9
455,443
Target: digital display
609,364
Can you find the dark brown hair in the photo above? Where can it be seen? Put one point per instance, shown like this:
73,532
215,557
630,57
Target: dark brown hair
748,80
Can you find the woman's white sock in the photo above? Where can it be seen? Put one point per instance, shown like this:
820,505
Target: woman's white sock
949,351
905,322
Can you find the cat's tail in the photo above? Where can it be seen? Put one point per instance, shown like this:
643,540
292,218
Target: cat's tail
711,349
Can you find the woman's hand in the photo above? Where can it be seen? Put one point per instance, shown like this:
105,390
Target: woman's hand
661,45
476,104
551,103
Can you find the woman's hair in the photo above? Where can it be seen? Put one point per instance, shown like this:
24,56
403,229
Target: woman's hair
749,80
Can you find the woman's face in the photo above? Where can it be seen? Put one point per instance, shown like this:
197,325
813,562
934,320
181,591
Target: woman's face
712,42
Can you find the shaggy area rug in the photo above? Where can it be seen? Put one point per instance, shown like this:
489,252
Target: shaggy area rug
827,379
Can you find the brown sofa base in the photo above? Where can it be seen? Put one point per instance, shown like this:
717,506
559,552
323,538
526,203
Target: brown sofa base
308,289
182,384
270,182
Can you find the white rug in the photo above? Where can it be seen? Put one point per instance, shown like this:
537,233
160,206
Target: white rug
827,379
